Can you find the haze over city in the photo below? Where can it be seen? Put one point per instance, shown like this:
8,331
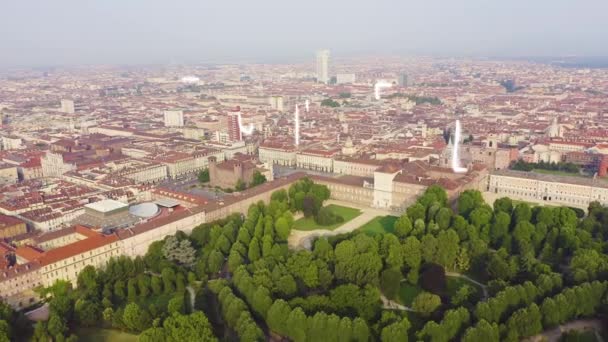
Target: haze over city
67,32
311,171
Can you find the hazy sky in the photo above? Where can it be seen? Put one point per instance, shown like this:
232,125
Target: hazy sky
59,32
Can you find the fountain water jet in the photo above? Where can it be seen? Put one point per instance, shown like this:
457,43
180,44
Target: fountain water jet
297,125
455,157
379,86
243,129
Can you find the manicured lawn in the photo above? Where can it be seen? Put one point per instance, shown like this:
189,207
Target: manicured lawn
455,283
104,335
407,293
379,225
310,224
558,173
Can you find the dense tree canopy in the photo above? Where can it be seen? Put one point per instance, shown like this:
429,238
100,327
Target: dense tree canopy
541,267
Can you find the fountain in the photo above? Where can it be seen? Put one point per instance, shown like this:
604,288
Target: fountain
379,86
455,157
297,124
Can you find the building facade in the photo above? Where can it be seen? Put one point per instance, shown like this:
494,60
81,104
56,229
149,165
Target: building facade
546,188
174,118
323,66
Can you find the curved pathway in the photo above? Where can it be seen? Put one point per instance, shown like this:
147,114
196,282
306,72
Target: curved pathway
301,239
484,288
553,335
190,290
392,305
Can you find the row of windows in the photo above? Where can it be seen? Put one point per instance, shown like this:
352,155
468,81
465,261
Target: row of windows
583,201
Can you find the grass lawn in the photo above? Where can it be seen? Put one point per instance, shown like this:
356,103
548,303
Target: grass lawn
345,212
379,225
407,293
455,283
104,335
559,173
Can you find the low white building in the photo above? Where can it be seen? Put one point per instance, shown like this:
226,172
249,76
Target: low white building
277,154
547,188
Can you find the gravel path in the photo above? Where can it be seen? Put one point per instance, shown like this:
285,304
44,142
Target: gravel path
300,239
553,335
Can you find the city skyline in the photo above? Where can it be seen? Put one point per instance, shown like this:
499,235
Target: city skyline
327,171
111,32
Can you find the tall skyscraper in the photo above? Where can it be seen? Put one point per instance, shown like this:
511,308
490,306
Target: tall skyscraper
323,66
67,106
234,127
174,118
404,80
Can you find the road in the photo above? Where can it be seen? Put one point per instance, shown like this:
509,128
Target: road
299,239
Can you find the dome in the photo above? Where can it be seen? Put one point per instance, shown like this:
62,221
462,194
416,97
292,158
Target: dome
144,210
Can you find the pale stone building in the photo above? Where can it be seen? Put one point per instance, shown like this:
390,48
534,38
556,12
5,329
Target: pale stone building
316,160
546,188
284,155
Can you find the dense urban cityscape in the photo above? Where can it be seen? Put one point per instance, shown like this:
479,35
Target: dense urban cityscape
245,186
107,163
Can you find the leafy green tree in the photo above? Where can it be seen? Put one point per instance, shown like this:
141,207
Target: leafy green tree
447,248
403,226
261,301
468,201
258,178
286,286
499,267
136,319
180,252
503,204
463,261
240,185
277,316
87,312
156,284
143,285
482,331
500,227
132,290
176,328
88,282
234,260
56,325
176,304
203,176
168,276
428,246
462,295
119,290
426,303
443,217
525,322
254,252
282,228
390,281
416,211
522,213
215,262
395,332
480,216
330,103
